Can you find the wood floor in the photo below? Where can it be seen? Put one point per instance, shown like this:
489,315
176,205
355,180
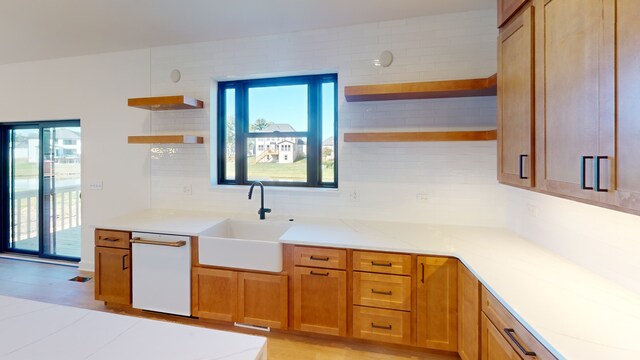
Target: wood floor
50,283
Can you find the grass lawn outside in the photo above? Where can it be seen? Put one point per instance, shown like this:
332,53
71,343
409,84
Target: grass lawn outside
294,172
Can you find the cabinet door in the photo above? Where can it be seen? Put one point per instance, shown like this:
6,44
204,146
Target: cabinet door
494,345
574,93
214,294
113,275
628,82
437,303
468,314
320,301
262,300
516,158
506,8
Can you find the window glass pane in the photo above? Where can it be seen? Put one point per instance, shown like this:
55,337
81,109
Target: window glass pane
278,108
230,132
328,128
279,159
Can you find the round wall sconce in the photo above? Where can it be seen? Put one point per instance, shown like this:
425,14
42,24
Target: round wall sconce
175,75
385,59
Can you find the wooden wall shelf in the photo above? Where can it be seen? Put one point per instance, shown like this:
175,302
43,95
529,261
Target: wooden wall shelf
423,90
158,103
484,135
166,139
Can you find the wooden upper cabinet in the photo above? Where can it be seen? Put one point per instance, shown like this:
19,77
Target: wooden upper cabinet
516,158
506,8
468,314
574,65
320,300
628,91
437,297
113,275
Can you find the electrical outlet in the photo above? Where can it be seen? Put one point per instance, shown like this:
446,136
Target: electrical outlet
354,196
422,198
95,185
187,190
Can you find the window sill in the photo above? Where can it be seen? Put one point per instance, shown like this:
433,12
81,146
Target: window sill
293,189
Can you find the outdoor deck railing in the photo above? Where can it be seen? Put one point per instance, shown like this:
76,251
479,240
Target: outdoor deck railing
65,206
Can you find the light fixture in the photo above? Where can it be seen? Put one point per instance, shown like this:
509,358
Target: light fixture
385,59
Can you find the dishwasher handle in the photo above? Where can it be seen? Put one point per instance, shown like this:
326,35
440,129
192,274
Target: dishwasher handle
137,240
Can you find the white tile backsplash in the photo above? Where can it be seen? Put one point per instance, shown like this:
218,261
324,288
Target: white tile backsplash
457,181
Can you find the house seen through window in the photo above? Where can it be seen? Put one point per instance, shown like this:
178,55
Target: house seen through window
281,131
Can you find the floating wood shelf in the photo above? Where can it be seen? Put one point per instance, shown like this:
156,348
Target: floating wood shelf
484,135
178,102
423,90
166,139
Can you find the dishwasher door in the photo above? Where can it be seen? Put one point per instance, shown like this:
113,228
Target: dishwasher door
161,267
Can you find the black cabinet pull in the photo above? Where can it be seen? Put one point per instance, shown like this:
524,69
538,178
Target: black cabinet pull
422,266
596,172
510,333
384,327
319,258
318,274
124,267
522,157
583,176
389,293
373,263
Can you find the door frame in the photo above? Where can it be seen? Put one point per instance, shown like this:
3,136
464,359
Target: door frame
5,221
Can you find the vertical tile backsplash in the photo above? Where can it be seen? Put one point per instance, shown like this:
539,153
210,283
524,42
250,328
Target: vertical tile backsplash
445,182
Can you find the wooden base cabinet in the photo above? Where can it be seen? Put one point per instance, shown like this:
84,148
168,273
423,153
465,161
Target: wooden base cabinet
437,296
248,298
113,275
320,301
382,325
262,300
494,346
468,314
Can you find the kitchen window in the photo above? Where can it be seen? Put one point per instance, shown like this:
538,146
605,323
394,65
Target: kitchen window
281,131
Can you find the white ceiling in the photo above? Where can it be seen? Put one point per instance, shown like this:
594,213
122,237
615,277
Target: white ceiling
44,29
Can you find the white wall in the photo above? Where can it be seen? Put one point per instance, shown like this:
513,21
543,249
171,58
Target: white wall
93,89
456,181
604,241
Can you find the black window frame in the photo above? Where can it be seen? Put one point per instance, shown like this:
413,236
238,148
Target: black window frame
313,134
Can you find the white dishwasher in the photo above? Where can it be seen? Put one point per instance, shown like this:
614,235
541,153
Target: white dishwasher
161,266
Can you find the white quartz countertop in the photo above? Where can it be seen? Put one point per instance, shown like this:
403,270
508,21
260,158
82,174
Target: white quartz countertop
34,330
574,312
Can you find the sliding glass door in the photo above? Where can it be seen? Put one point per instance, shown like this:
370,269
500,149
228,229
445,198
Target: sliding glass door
42,189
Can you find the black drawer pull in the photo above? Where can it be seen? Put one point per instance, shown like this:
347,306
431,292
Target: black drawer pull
373,291
522,157
596,172
373,263
318,274
319,258
510,333
109,239
583,176
383,327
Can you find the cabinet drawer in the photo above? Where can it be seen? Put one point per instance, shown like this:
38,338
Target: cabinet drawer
384,291
320,257
114,239
382,325
516,335
397,264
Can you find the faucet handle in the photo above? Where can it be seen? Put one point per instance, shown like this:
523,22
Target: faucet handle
267,210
